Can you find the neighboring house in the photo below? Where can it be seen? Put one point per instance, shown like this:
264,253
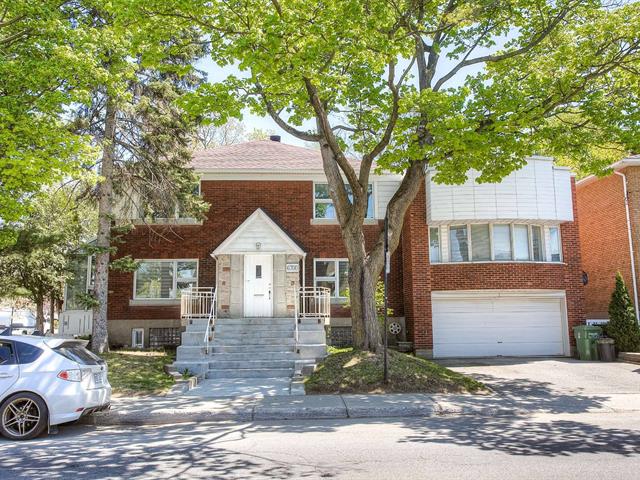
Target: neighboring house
609,212
482,269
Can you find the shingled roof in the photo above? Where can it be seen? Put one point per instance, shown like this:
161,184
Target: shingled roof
257,155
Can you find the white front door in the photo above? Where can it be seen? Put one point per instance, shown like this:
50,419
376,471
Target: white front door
258,285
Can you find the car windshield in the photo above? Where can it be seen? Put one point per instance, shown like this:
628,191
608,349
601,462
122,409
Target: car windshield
77,353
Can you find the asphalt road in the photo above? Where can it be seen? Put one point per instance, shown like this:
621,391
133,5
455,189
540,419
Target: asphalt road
576,446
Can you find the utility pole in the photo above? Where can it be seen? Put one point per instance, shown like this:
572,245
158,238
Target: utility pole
387,269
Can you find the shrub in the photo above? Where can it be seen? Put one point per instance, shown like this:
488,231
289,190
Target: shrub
623,326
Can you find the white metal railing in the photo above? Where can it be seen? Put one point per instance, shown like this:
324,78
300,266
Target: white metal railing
312,302
199,303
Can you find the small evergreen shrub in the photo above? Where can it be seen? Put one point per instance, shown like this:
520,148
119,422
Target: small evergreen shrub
623,326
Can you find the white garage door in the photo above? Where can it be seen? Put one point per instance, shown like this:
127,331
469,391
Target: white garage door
486,325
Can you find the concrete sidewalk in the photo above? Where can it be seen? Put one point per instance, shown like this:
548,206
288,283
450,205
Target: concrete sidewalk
171,409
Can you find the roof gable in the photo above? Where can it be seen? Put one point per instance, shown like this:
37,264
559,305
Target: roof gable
260,229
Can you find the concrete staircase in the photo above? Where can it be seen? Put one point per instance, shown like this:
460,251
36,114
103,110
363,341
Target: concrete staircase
251,348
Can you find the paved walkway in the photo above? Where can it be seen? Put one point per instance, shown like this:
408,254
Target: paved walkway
241,387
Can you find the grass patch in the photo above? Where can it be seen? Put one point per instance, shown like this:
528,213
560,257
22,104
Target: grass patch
354,371
139,372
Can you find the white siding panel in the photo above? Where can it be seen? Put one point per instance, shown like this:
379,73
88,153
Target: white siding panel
564,204
258,231
537,192
385,189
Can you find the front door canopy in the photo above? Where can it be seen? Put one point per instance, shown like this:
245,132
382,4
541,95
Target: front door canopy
258,233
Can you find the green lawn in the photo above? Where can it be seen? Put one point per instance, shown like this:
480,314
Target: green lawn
354,371
138,372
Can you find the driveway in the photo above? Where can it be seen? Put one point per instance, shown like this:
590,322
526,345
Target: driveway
550,376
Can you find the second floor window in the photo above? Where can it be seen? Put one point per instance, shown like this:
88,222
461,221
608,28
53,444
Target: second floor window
500,242
323,205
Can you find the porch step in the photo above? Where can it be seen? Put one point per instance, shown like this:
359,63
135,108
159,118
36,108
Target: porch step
193,338
233,328
252,339
253,364
250,373
252,356
255,321
252,348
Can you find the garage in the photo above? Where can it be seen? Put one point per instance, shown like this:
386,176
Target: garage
499,323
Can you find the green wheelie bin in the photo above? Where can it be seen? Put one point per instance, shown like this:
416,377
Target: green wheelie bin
586,341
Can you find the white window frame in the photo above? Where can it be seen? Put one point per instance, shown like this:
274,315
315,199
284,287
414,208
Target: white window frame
437,227
466,226
545,248
133,336
330,202
317,279
175,276
560,260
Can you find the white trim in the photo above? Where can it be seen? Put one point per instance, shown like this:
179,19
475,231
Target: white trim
142,301
294,247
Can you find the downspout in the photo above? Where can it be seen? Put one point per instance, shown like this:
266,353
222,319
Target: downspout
631,252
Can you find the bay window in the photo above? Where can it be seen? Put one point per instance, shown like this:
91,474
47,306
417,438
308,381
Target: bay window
164,279
323,205
332,274
494,242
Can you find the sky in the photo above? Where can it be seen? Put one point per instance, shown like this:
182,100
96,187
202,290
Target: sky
216,73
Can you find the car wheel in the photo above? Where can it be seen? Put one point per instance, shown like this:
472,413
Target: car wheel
23,416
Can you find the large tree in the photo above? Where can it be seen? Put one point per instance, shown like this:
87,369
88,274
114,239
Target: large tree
46,66
413,84
138,126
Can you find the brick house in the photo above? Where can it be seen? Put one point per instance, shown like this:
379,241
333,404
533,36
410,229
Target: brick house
481,270
609,212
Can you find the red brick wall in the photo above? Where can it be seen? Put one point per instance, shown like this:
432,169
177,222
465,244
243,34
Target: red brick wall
417,274
603,239
289,203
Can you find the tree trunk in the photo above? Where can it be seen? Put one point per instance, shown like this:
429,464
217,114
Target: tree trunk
99,337
40,315
52,311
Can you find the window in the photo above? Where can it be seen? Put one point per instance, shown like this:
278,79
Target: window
137,338
323,205
521,242
434,245
458,243
502,242
332,274
164,337
6,353
536,243
554,244
480,243
77,285
164,279
27,353
76,352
